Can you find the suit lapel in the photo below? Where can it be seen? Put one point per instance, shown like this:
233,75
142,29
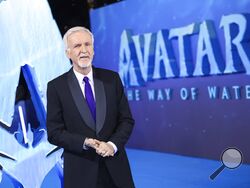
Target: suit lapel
100,103
80,100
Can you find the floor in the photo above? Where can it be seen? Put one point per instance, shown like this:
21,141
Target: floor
163,170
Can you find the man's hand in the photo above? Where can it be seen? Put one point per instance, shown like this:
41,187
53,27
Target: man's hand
105,149
93,143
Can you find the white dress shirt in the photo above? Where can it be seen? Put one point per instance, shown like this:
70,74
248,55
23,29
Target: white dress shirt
80,77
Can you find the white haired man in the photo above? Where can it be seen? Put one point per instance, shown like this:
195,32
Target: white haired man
89,116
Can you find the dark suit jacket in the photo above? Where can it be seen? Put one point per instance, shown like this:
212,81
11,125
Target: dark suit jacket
69,122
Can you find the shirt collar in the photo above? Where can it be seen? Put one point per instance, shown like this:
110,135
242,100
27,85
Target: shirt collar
80,76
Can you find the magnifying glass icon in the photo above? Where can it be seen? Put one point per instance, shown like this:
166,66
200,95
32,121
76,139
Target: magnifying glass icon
230,158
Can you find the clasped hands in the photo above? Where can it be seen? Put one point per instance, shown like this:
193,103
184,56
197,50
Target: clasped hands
102,148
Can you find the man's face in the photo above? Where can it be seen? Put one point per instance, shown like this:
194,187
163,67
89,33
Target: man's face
80,49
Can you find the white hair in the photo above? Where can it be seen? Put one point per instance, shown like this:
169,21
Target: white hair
75,29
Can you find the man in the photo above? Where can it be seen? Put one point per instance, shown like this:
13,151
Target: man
88,115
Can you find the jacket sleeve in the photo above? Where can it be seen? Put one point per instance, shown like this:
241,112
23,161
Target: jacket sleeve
57,132
125,121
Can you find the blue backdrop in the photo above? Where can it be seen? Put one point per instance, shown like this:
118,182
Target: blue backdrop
186,67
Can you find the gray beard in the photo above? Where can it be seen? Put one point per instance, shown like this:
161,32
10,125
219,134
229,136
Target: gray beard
83,65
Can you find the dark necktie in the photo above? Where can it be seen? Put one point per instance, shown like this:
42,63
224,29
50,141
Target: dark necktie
89,97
